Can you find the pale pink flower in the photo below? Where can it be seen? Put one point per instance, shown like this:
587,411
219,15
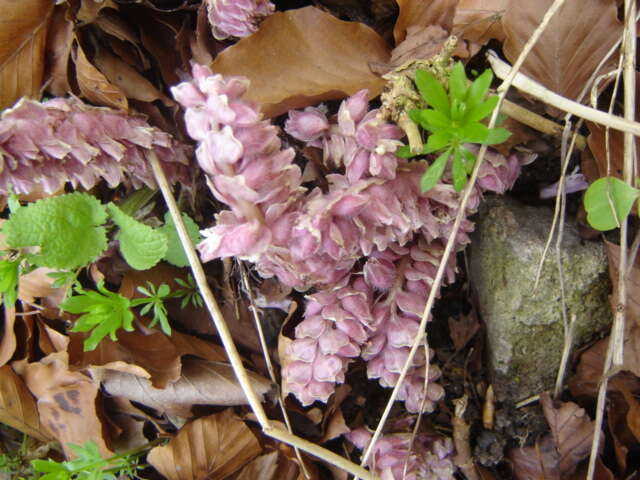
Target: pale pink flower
237,18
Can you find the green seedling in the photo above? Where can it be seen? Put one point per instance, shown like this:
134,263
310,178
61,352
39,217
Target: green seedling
155,299
453,120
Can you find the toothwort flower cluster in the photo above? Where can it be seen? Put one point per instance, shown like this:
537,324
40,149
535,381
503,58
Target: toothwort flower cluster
63,140
237,18
393,457
369,244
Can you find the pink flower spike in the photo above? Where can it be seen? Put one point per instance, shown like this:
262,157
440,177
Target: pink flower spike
307,125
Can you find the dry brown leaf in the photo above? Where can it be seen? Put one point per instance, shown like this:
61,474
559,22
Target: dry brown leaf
622,437
261,468
23,32
597,145
632,286
463,329
633,414
94,86
8,343
58,51
539,462
423,13
17,406
38,284
479,21
201,383
302,57
152,355
66,401
568,52
209,448
50,340
90,9
572,431
128,79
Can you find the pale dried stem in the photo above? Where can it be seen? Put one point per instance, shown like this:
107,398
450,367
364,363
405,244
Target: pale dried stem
569,333
502,89
536,90
227,340
615,350
269,363
463,458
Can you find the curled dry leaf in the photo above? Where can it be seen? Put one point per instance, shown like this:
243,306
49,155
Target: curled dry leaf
90,9
37,284
423,14
614,164
572,431
17,406
95,87
201,383
263,467
302,57
66,401
22,43
573,44
479,21
209,448
632,286
539,462
8,342
58,51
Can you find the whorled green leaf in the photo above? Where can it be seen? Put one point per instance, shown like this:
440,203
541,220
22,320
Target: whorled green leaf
473,132
481,110
458,171
432,91
497,136
457,83
141,246
434,173
437,141
66,228
175,252
608,201
479,89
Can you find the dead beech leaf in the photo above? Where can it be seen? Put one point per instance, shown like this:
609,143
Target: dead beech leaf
633,414
128,79
66,401
95,87
540,462
632,286
201,383
573,44
8,342
572,430
23,32
17,406
151,355
423,13
90,9
302,57
210,448
37,284
263,467
58,51
479,21
597,145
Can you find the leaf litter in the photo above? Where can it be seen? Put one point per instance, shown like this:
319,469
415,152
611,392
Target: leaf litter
147,385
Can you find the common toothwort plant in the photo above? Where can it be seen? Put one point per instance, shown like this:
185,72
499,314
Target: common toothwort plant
369,245
237,18
47,144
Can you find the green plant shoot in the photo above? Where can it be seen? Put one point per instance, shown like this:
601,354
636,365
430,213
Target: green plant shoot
453,120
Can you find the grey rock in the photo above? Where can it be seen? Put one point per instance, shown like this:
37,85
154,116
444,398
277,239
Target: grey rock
524,327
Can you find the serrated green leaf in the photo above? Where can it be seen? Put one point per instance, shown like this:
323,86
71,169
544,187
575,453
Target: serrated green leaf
608,201
432,91
434,172
481,110
66,228
9,274
473,132
175,252
437,141
497,136
141,246
458,171
479,89
457,83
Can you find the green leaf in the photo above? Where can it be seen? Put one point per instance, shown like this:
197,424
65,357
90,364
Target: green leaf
458,171
9,275
56,224
434,172
434,120
608,201
469,159
458,83
175,252
141,246
474,132
481,110
432,91
437,141
496,136
479,89
104,312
